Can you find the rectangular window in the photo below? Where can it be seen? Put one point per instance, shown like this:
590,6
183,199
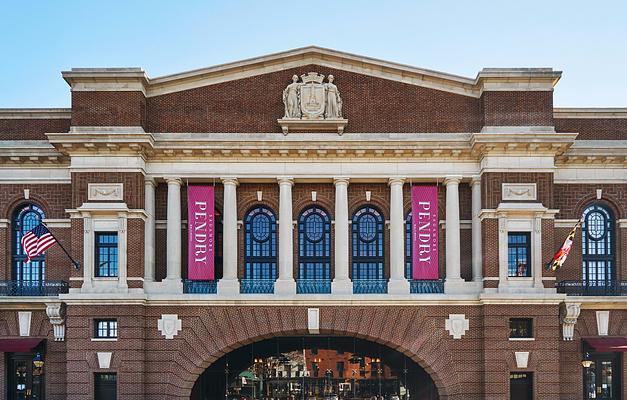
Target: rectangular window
519,254
521,386
340,369
106,260
106,328
105,386
520,328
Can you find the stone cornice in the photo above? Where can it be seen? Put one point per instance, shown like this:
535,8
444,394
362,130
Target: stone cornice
35,113
594,152
595,113
30,152
524,142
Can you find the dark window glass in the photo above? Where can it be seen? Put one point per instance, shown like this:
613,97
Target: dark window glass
367,244
260,257
521,386
25,219
597,245
106,260
314,244
105,386
519,254
340,369
520,328
106,328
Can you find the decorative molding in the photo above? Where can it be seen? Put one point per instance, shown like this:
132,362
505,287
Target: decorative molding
105,191
104,359
56,314
579,113
457,325
325,125
603,322
35,113
569,314
522,359
313,320
169,325
519,191
24,318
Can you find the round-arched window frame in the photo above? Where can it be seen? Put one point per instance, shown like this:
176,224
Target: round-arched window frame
260,243
25,218
368,245
314,244
597,245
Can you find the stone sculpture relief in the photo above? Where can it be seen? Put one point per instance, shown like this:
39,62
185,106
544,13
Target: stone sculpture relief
311,98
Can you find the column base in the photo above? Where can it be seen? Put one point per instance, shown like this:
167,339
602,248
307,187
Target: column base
344,286
228,287
460,286
172,286
398,286
284,286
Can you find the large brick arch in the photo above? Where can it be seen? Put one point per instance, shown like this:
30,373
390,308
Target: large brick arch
210,333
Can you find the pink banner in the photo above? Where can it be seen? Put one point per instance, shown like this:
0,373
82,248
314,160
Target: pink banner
200,233
424,232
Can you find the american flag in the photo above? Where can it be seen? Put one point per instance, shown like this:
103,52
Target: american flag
36,241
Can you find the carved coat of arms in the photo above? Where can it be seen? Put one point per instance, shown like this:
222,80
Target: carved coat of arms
312,98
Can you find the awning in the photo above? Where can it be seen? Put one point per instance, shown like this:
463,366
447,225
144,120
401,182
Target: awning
20,345
608,344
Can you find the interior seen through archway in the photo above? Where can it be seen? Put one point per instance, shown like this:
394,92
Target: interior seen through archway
314,368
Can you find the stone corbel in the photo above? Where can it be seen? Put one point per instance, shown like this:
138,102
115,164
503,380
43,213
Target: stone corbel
56,314
569,314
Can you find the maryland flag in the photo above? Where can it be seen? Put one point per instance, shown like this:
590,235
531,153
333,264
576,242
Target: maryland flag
562,253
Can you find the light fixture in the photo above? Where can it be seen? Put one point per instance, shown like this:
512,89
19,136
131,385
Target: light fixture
586,362
38,360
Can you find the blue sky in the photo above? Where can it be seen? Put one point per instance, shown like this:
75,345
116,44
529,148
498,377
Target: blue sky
587,40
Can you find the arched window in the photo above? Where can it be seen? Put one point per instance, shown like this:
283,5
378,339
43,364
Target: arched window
260,257
408,247
314,244
597,245
367,243
29,274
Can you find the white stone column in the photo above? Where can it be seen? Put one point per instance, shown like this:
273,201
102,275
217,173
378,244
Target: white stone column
173,281
398,284
341,283
477,259
149,230
285,284
453,260
229,284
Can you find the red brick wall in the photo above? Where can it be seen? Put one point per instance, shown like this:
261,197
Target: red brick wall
133,186
490,249
108,109
572,199
533,108
31,128
370,104
491,186
594,128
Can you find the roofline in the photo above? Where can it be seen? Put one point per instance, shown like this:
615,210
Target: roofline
590,112
35,113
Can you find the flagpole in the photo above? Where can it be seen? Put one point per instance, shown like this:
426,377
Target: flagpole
77,265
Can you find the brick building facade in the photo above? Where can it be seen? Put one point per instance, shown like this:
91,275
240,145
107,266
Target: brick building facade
507,166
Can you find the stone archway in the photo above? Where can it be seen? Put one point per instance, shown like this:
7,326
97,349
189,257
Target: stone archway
210,333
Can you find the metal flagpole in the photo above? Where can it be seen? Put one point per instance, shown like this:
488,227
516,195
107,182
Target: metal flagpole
77,265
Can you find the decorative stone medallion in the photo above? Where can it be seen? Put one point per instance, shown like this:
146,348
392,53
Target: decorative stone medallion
169,325
105,191
457,325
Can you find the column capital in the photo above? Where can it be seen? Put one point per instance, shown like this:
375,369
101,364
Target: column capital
229,180
171,180
340,180
150,181
396,180
285,180
452,179
475,180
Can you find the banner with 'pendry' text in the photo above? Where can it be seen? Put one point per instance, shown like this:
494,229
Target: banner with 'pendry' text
424,232
200,232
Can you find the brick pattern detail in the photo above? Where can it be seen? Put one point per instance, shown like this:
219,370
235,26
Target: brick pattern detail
135,248
108,109
572,199
491,186
370,104
518,108
490,247
593,128
31,128
133,186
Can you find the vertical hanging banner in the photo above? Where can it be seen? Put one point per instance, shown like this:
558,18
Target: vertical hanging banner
200,233
424,232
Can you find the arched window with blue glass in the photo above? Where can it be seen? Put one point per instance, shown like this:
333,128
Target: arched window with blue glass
368,244
260,256
26,274
314,251
598,246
